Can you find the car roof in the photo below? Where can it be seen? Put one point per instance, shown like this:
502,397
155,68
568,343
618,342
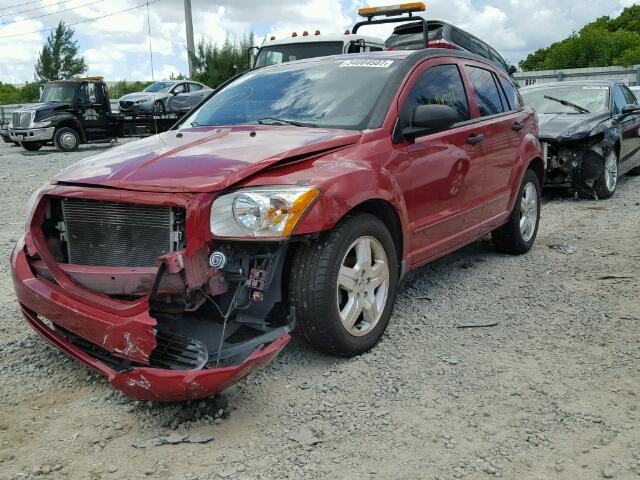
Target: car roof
408,57
604,83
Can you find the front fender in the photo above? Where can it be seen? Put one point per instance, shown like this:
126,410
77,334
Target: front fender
356,183
63,117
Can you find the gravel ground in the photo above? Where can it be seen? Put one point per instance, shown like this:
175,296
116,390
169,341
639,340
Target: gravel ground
552,391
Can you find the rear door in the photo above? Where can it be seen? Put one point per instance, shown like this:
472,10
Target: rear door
443,172
632,133
502,128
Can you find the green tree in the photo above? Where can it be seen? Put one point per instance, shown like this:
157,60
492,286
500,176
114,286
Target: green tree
603,42
123,87
58,58
216,64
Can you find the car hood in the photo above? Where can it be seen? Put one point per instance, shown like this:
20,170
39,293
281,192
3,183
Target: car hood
134,97
203,159
568,126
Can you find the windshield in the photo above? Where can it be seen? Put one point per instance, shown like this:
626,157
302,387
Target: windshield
296,51
159,87
568,99
58,92
338,94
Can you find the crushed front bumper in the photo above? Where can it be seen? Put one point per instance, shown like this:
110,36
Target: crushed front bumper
127,332
32,134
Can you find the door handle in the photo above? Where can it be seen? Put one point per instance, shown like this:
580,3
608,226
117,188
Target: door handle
516,127
474,139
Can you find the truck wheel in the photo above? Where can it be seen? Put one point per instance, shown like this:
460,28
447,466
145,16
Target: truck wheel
66,139
605,185
158,108
31,146
343,288
519,233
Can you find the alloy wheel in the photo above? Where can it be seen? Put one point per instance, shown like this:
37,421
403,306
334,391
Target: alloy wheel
528,211
611,172
363,286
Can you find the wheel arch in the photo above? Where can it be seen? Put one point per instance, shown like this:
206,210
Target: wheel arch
73,123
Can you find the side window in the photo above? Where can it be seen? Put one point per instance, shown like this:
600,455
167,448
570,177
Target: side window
618,99
375,49
440,85
479,48
195,87
460,38
486,91
180,88
628,94
512,94
83,94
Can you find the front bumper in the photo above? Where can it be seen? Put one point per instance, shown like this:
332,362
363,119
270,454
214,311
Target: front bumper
146,107
32,134
140,381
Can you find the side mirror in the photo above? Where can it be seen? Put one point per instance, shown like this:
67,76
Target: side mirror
430,119
512,69
630,108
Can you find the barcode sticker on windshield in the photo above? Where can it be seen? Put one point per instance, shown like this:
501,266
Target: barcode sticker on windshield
367,63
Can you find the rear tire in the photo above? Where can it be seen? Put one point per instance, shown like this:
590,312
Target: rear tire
518,235
31,146
605,185
66,139
343,288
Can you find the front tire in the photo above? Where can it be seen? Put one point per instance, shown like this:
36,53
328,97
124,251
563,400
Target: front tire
343,288
158,108
66,139
605,185
518,235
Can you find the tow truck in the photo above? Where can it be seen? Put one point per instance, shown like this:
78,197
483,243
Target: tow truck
299,47
76,111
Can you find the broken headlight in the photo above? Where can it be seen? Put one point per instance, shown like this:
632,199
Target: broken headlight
261,211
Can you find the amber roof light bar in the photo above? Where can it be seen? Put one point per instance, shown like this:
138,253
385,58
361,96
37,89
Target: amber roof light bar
394,14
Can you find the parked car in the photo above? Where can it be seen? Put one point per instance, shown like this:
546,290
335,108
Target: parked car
162,97
294,199
410,36
589,132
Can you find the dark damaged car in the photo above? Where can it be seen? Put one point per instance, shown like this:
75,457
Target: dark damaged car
293,200
590,133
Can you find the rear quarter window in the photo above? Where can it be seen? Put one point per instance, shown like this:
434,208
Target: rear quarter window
513,97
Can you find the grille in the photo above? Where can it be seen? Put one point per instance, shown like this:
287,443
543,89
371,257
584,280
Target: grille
118,234
21,119
125,103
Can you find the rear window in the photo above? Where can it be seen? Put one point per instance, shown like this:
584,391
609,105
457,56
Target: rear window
275,54
486,90
410,36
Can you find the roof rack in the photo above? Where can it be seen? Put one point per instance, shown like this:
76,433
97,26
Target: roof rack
391,11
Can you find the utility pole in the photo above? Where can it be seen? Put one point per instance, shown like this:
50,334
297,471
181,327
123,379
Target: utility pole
191,48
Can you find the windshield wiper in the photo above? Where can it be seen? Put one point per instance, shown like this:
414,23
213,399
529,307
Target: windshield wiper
276,121
567,104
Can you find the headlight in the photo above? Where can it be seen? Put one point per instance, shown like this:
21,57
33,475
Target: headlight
44,124
138,102
261,211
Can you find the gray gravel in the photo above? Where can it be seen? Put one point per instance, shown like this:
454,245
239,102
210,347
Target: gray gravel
551,391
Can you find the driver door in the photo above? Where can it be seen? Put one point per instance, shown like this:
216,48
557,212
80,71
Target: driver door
179,100
92,109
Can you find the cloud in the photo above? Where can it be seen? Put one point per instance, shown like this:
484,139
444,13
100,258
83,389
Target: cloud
118,46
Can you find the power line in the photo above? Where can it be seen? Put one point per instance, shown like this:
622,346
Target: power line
52,13
83,21
36,8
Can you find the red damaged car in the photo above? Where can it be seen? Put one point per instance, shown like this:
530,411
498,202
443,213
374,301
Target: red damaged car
292,200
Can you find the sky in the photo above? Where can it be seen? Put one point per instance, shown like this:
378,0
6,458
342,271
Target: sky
117,46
